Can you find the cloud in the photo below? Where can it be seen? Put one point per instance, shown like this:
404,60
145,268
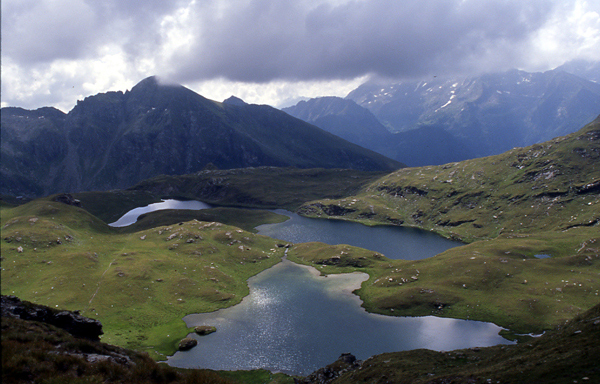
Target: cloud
56,51
262,40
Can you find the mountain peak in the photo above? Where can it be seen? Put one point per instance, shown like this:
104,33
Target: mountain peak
232,100
153,83
146,84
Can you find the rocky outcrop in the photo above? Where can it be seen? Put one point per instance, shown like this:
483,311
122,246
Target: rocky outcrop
345,363
66,198
204,330
330,209
72,322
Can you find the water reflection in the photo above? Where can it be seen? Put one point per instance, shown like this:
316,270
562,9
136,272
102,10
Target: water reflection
296,321
394,242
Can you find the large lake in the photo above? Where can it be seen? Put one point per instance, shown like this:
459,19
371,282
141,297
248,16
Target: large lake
296,321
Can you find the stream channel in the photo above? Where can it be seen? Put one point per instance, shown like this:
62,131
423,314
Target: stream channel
295,321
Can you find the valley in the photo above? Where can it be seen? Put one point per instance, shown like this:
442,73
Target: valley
140,281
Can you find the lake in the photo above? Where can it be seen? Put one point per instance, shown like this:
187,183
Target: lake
295,321
132,216
392,241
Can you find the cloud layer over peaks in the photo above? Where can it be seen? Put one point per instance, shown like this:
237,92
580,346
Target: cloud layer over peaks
60,49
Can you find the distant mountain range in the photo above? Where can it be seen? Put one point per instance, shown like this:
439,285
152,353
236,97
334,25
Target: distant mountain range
115,139
350,121
442,120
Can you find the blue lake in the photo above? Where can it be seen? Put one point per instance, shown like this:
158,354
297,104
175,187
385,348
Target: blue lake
393,242
295,321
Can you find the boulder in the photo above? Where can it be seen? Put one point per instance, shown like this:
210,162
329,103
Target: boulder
346,362
187,343
204,330
66,198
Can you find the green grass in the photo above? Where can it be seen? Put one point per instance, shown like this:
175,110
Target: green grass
138,288
551,186
109,206
262,187
259,376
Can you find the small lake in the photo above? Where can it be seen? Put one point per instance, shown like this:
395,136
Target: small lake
132,216
295,321
392,241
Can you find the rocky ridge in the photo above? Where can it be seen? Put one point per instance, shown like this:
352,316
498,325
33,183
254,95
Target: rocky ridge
72,322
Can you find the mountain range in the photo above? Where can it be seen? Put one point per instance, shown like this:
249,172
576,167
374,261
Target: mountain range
115,139
441,120
350,121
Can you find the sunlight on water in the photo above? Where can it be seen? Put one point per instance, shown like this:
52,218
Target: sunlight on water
296,321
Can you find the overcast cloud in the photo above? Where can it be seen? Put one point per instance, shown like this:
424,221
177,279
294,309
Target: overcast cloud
266,51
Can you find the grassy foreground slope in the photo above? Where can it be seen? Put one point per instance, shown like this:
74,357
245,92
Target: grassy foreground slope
37,352
139,285
542,200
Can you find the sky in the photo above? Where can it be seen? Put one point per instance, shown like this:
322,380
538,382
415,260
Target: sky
55,52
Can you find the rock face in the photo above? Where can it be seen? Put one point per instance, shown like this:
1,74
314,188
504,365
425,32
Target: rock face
344,118
72,322
346,362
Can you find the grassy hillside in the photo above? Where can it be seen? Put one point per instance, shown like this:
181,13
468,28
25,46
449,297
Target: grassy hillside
139,285
519,292
38,352
512,208
552,186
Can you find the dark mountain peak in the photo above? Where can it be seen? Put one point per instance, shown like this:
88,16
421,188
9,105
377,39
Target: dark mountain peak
148,82
113,140
151,85
232,100
156,94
